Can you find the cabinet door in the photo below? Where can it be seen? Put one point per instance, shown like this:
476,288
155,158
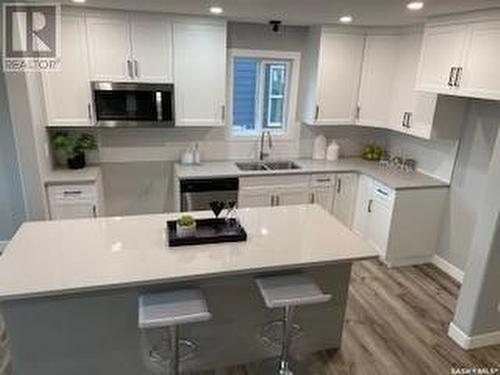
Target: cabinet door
378,225
442,49
419,106
379,66
364,195
481,74
200,74
151,37
338,78
255,197
67,91
345,197
109,47
73,209
323,197
292,195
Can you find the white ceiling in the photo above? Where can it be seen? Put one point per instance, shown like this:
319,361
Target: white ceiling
305,12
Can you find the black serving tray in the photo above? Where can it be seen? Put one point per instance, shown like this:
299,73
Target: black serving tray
208,231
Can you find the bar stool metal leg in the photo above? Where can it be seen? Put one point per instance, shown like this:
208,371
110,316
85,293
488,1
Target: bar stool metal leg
284,362
174,350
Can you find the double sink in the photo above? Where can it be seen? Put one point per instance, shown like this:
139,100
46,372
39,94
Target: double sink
267,166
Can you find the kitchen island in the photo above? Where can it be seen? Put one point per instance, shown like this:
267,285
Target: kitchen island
69,289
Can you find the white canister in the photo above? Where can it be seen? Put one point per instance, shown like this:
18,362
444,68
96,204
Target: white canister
319,148
332,152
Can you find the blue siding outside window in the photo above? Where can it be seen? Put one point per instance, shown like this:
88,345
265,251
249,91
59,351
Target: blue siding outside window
245,75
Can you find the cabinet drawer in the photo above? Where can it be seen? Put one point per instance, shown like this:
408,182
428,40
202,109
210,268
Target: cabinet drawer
250,182
322,180
87,191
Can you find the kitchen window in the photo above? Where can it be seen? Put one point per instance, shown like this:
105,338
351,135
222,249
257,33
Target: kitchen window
262,86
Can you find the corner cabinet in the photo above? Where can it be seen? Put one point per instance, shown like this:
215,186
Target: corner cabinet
200,73
344,201
333,69
403,225
129,47
67,95
461,59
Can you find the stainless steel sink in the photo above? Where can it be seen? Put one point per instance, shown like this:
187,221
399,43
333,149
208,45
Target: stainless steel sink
267,166
252,166
282,165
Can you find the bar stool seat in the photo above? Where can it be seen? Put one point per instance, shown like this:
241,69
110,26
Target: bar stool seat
287,292
170,310
290,290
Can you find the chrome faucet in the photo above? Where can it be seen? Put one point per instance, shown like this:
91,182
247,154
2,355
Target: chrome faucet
262,154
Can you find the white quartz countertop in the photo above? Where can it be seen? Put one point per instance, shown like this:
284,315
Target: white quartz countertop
69,176
71,256
395,179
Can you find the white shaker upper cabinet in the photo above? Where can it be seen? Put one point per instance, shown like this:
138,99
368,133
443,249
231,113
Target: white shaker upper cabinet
151,38
200,74
480,77
379,65
333,73
67,92
109,46
441,57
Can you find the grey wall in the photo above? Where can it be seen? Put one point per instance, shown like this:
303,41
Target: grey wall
469,181
11,195
477,310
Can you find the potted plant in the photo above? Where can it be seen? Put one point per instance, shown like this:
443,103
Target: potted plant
186,226
73,147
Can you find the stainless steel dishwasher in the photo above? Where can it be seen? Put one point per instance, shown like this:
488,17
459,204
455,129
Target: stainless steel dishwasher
196,195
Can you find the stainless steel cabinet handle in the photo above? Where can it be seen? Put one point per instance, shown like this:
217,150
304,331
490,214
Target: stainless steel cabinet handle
323,180
382,192
94,211
272,200
451,77
277,200
312,198
408,119
316,115
358,112
136,68
89,110
339,185
370,202
458,77
130,69
72,192
403,123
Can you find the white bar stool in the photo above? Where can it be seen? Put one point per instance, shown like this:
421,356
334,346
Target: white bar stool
286,292
171,310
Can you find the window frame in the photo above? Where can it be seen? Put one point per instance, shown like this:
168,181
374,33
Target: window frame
292,59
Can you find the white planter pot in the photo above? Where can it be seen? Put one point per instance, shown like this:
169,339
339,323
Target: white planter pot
184,231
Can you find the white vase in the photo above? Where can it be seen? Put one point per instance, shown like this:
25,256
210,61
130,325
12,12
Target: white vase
186,231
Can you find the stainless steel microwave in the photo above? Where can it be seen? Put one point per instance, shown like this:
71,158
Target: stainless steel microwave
140,105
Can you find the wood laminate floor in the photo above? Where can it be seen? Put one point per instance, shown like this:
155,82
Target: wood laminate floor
396,323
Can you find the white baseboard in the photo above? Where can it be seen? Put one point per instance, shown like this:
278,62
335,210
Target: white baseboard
3,245
453,271
407,262
473,342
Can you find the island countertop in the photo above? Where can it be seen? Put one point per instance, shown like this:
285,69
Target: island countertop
72,256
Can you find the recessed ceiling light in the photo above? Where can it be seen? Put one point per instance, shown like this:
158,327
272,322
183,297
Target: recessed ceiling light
216,10
78,1
415,5
345,19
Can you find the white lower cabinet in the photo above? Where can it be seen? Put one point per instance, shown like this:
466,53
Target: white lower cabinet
403,225
323,190
273,191
75,201
345,197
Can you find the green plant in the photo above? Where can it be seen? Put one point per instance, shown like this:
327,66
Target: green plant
186,221
71,145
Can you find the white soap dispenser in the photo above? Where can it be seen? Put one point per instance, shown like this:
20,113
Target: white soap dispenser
319,148
332,152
